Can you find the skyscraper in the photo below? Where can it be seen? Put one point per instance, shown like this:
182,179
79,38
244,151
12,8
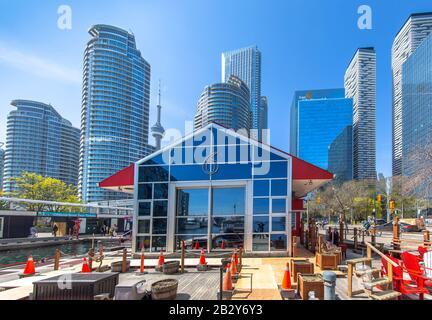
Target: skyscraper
226,104
39,140
245,64
360,85
263,111
115,109
415,30
340,155
317,118
157,130
2,155
416,109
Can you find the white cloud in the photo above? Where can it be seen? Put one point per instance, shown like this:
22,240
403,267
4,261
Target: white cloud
33,64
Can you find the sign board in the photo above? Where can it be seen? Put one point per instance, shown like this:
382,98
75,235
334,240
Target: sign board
67,214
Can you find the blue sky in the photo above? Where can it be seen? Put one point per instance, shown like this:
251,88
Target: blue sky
304,44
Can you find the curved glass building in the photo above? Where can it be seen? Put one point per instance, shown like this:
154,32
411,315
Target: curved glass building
2,154
226,104
115,109
39,140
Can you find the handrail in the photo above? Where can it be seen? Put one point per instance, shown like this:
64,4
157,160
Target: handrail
394,264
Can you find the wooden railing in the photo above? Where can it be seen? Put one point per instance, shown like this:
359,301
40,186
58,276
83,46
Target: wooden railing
390,263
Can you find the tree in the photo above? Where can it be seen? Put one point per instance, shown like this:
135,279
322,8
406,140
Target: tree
36,187
3,204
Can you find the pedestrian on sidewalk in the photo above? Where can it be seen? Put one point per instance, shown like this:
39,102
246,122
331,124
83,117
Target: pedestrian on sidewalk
55,229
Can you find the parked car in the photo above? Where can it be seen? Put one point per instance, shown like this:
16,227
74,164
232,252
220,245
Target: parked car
404,227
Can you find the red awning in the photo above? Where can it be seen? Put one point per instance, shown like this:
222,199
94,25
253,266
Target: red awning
306,178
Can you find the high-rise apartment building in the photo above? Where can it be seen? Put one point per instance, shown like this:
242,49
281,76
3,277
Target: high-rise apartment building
226,104
39,140
360,85
414,31
115,109
2,155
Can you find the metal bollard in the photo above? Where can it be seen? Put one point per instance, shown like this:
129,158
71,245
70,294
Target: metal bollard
329,285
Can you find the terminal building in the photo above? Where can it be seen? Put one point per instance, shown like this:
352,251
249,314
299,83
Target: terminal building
216,189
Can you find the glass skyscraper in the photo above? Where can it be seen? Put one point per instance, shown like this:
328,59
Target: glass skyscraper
226,104
245,64
360,85
115,109
414,31
317,118
417,106
2,155
39,140
340,154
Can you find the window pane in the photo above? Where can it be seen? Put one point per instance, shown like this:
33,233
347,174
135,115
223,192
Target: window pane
191,241
161,191
261,206
160,208
279,188
261,224
188,173
143,226
192,202
271,170
229,241
278,242
142,241
278,224
228,225
261,188
153,174
144,209
192,225
233,171
279,206
159,226
228,201
260,242
158,244
145,191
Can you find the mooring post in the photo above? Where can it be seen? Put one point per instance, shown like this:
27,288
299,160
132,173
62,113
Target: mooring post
426,238
341,229
90,256
182,255
57,259
355,239
396,233
241,256
124,266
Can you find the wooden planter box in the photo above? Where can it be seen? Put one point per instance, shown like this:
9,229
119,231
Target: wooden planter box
310,282
304,267
328,261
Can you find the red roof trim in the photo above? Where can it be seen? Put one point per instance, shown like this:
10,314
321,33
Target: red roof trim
122,178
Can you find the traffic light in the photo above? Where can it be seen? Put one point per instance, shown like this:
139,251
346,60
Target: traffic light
392,204
379,198
318,200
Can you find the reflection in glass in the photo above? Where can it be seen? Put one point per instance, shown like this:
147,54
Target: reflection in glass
278,242
228,201
191,241
153,174
144,209
144,226
228,225
260,242
145,191
158,244
261,206
279,188
278,224
188,173
192,225
230,241
261,224
161,191
233,171
192,202
160,208
142,241
261,188
279,206
159,226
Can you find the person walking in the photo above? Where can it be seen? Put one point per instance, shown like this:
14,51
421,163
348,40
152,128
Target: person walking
55,230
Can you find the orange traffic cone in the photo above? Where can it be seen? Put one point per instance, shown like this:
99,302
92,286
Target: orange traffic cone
223,245
30,267
202,260
227,282
233,266
196,245
286,282
142,262
236,257
85,267
161,259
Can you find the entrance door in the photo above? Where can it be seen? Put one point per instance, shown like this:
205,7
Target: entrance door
210,217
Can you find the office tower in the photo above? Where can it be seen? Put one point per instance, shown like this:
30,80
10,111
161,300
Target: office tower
245,64
317,118
157,130
115,109
226,104
340,155
360,85
39,140
263,110
2,155
416,110
413,32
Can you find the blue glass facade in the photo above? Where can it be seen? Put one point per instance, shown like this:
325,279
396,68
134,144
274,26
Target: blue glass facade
317,118
340,156
215,187
39,140
417,107
2,155
115,109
